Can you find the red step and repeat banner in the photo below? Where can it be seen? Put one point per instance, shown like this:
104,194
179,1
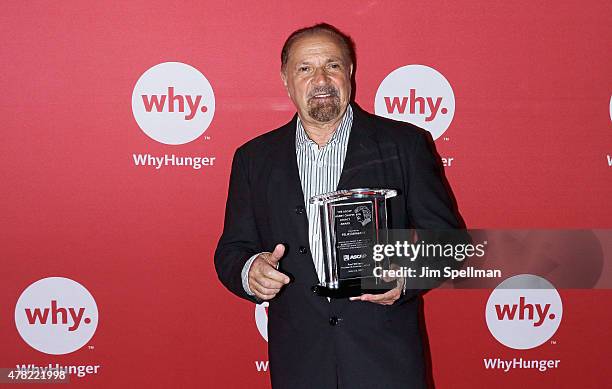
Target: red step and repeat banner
120,120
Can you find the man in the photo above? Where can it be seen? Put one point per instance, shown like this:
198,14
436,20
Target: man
269,249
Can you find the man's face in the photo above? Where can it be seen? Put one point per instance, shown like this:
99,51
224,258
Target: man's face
318,78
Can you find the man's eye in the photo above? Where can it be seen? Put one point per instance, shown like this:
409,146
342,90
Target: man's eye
303,69
334,66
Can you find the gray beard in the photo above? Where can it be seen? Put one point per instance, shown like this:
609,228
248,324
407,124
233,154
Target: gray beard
324,112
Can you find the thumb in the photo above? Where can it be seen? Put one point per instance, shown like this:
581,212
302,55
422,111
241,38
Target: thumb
277,254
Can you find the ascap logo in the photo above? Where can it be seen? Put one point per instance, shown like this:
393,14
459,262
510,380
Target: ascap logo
173,103
419,95
56,315
524,311
352,257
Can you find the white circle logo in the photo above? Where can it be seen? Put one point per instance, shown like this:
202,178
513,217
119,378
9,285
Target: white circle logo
419,95
56,315
524,311
173,103
261,319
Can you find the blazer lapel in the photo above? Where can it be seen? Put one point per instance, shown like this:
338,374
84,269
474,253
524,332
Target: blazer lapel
360,150
286,196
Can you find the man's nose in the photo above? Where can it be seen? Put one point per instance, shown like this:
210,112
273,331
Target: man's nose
320,76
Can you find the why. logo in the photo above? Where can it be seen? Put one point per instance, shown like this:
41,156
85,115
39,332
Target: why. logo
419,95
261,319
56,315
173,103
524,311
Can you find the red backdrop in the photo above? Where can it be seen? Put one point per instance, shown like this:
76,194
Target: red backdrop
529,138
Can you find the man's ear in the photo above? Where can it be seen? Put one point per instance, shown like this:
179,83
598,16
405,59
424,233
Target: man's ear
284,78
351,71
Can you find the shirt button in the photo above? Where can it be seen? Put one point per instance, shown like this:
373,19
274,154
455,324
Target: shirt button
299,210
303,250
333,321
320,164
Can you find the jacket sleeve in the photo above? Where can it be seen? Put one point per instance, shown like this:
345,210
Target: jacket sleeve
429,200
430,206
240,239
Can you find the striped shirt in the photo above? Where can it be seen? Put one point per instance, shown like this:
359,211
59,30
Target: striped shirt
319,169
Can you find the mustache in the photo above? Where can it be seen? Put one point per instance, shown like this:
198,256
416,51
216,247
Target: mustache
323,90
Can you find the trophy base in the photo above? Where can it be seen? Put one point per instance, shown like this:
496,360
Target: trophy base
354,288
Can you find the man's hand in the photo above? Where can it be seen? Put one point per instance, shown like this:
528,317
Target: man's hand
386,298
264,280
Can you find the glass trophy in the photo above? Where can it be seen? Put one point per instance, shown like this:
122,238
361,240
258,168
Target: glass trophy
352,222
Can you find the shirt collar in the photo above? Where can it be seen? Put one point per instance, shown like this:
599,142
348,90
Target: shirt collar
340,135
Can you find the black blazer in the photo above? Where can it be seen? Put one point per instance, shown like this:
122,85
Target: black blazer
313,343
